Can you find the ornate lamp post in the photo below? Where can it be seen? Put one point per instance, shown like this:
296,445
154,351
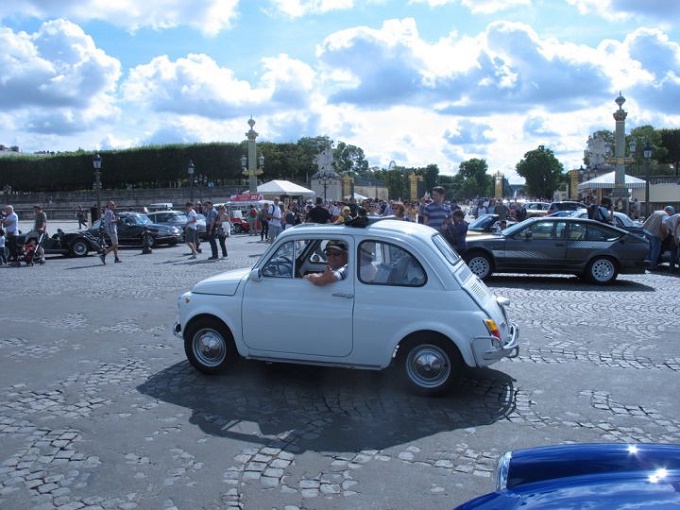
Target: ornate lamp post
255,164
647,153
620,192
202,181
190,170
97,164
325,177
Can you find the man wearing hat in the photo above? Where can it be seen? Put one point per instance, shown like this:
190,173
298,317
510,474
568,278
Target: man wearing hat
336,255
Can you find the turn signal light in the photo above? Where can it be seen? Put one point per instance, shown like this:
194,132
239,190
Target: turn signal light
492,328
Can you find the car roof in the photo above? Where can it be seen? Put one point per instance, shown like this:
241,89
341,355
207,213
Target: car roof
382,226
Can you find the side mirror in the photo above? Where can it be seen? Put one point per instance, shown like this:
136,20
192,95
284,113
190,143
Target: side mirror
255,275
527,234
316,259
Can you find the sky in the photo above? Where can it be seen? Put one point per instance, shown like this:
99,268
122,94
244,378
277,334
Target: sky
416,82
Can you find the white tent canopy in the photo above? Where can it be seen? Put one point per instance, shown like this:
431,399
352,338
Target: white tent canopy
357,196
280,187
606,181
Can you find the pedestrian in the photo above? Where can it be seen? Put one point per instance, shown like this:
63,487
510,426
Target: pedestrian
190,231
11,225
399,211
455,231
290,217
264,222
671,240
501,210
319,213
345,215
39,230
211,228
436,212
603,212
655,231
80,214
223,228
274,217
110,222
252,220
3,241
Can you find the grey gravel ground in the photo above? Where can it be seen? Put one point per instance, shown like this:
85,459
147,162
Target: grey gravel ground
100,410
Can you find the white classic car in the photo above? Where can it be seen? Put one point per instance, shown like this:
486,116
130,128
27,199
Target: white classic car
407,298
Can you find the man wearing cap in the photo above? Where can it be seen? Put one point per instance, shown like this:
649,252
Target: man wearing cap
190,232
336,255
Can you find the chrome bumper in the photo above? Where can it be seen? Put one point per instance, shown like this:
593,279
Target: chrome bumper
489,349
177,329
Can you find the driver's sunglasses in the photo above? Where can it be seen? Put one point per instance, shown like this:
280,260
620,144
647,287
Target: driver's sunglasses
332,253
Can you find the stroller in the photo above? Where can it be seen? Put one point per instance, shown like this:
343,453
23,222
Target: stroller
27,252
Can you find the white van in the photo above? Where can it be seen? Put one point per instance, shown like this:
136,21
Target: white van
161,206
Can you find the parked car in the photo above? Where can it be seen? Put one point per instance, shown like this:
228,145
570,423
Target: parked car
611,476
177,219
564,205
72,244
621,220
238,222
374,317
567,245
485,224
133,227
534,209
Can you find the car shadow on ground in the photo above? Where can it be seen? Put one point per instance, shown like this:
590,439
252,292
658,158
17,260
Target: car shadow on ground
301,408
565,282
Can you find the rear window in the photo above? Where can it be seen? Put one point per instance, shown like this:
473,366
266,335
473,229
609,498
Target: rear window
445,249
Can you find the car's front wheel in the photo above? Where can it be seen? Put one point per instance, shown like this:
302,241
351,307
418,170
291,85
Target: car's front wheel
602,270
148,240
237,228
431,366
209,346
79,248
480,264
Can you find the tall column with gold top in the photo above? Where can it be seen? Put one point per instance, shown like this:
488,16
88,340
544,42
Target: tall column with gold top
620,192
413,181
252,171
498,176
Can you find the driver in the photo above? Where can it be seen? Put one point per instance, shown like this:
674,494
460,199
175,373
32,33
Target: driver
336,255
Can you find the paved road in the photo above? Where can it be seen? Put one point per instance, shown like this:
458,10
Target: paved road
99,408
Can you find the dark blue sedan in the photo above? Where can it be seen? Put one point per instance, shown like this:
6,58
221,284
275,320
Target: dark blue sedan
592,476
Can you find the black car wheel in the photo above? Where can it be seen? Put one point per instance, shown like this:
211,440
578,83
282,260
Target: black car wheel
430,366
602,270
79,248
237,228
209,346
480,264
148,240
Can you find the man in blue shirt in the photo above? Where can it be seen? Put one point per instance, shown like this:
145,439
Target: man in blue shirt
436,212
336,254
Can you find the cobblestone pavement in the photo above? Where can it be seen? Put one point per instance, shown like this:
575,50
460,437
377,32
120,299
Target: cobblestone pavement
99,408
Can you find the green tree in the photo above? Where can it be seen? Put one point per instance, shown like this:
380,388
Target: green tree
541,171
476,180
670,140
349,158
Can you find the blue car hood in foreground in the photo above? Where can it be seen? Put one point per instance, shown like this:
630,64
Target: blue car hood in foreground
593,476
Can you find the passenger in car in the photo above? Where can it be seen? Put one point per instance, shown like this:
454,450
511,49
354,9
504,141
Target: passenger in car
336,254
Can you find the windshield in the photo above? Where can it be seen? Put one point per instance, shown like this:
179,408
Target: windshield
481,223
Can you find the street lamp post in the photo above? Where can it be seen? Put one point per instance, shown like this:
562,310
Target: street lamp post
97,164
647,153
190,170
324,178
255,164
620,192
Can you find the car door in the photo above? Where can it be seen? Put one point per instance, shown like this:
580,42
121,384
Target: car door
588,239
288,317
540,246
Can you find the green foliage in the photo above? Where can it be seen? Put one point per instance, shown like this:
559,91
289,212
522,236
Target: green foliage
541,171
670,141
476,182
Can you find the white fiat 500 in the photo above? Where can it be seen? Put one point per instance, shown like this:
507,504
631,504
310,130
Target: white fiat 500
407,298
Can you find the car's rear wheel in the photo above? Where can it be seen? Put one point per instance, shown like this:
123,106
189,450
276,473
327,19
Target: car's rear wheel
602,270
209,346
237,228
79,248
431,365
480,264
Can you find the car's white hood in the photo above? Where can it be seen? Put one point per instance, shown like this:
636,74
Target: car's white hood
223,284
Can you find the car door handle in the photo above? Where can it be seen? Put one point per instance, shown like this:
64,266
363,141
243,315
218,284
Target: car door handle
345,295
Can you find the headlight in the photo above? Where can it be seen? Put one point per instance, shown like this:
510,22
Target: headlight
500,476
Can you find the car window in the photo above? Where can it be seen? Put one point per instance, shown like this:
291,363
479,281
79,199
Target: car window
280,264
387,264
540,230
445,248
601,233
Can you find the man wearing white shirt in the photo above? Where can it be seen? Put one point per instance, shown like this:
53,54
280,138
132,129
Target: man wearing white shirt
274,215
